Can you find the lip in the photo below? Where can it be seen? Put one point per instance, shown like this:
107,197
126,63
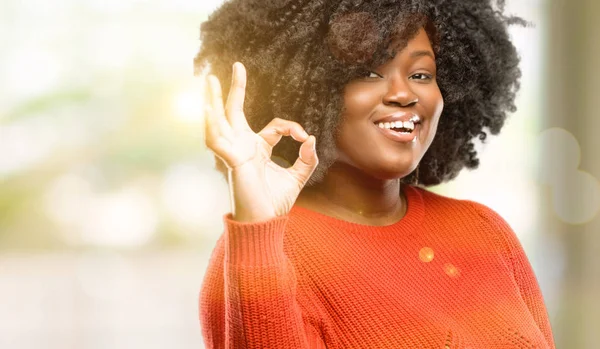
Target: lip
400,137
399,116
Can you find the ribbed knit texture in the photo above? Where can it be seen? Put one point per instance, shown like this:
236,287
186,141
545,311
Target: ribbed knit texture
450,274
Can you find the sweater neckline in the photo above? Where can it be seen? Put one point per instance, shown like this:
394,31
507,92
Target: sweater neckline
415,211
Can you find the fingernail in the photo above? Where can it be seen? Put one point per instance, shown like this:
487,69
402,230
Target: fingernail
314,145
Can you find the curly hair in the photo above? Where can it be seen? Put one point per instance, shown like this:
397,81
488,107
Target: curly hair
299,55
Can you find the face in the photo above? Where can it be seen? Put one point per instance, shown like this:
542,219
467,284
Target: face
402,88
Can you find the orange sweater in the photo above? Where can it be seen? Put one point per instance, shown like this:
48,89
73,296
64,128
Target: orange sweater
450,274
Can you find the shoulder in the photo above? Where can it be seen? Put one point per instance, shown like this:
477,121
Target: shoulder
468,216
477,222
437,203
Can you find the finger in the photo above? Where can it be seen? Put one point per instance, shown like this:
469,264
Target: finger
216,110
219,145
277,128
208,129
235,100
211,133
307,162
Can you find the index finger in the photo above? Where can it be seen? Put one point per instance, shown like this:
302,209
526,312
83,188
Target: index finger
235,99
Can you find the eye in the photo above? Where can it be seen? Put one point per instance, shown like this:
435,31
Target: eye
421,76
372,75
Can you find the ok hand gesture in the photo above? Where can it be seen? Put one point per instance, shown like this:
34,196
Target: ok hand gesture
259,188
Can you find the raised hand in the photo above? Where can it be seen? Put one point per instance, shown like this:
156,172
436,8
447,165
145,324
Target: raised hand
259,188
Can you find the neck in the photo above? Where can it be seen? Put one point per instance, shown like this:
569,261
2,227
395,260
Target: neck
350,194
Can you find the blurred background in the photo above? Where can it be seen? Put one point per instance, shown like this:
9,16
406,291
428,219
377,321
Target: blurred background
110,206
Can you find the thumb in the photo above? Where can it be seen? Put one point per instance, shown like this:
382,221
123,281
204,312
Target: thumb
307,161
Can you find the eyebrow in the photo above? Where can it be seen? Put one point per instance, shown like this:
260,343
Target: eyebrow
417,54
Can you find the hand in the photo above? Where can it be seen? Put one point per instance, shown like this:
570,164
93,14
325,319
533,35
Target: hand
259,188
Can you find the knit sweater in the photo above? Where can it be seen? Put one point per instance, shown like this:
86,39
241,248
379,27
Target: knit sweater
450,274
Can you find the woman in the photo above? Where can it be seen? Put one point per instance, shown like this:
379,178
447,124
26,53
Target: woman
346,248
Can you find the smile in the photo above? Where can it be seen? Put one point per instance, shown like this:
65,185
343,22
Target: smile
398,126
405,133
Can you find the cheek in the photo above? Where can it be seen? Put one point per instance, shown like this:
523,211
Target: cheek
436,112
434,104
359,101
439,105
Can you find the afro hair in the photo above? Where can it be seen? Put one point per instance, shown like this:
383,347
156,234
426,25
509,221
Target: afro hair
299,55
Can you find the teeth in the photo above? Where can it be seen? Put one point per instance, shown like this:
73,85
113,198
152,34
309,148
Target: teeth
415,118
397,124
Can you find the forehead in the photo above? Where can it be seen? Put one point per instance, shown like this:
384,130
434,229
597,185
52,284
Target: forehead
417,48
418,45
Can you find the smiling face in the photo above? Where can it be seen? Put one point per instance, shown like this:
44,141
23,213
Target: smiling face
403,87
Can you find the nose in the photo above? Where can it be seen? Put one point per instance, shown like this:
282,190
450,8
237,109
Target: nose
399,93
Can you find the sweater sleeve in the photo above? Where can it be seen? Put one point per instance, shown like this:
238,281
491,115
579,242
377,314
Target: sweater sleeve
523,272
249,294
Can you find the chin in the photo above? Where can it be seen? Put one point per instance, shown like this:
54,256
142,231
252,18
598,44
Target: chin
401,163
392,172
395,166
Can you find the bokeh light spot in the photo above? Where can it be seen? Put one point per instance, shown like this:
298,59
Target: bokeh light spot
560,154
426,254
189,104
578,201
575,193
451,270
